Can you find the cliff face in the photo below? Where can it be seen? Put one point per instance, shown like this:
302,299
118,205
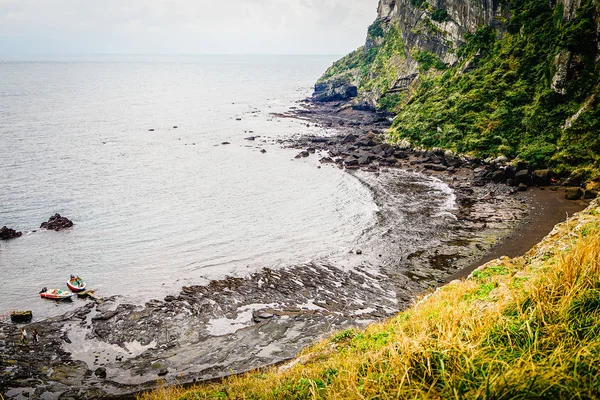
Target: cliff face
488,77
421,30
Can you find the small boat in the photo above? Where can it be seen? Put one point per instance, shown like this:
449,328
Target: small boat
56,294
76,284
21,317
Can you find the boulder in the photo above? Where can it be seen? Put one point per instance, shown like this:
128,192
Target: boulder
573,193
8,233
349,139
57,223
302,154
364,160
523,177
498,176
336,89
326,160
541,177
510,172
590,194
435,167
522,187
575,179
351,162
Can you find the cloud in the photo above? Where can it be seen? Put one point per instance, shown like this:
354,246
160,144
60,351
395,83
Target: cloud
184,26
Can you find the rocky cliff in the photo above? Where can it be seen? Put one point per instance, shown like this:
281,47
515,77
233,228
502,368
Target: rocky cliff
517,78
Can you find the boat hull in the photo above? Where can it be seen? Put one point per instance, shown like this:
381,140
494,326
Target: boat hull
74,288
59,296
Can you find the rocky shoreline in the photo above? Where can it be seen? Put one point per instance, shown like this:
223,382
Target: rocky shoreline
114,350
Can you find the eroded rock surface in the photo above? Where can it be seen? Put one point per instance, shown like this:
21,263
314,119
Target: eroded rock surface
57,223
8,233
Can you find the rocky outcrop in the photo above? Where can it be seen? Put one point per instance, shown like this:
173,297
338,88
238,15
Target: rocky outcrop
57,223
8,233
438,28
335,90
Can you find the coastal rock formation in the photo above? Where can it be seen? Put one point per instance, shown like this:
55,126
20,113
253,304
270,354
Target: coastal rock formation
441,68
57,223
8,233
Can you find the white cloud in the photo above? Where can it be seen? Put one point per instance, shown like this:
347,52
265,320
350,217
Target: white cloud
189,26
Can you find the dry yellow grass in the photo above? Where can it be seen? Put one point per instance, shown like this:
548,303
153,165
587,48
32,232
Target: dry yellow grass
522,328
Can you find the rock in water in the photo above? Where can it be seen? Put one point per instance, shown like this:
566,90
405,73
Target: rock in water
57,223
8,233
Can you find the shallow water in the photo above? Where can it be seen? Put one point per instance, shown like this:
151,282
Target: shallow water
157,210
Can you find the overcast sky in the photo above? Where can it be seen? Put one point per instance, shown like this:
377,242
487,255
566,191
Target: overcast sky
184,26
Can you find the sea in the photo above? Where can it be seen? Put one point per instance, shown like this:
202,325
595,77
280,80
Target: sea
148,156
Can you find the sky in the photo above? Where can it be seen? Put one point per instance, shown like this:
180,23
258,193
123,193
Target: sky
184,26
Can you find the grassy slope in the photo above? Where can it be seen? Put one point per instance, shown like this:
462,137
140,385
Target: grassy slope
519,328
505,106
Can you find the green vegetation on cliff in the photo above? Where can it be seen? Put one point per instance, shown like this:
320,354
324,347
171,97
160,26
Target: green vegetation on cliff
374,68
506,104
519,328
525,83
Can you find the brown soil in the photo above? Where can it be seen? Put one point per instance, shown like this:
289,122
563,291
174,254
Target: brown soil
548,208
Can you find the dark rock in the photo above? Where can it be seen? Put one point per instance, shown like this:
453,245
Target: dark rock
498,176
175,126
575,179
522,187
349,139
351,162
326,160
337,89
573,193
590,194
150,130
105,316
225,143
169,299
57,223
8,233
163,372
100,372
263,151
366,143
510,182
541,177
319,140
523,177
435,167
251,138
364,160
401,155
302,154
358,252
260,316
311,150
510,172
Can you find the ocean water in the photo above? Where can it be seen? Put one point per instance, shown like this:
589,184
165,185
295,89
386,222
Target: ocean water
157,210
